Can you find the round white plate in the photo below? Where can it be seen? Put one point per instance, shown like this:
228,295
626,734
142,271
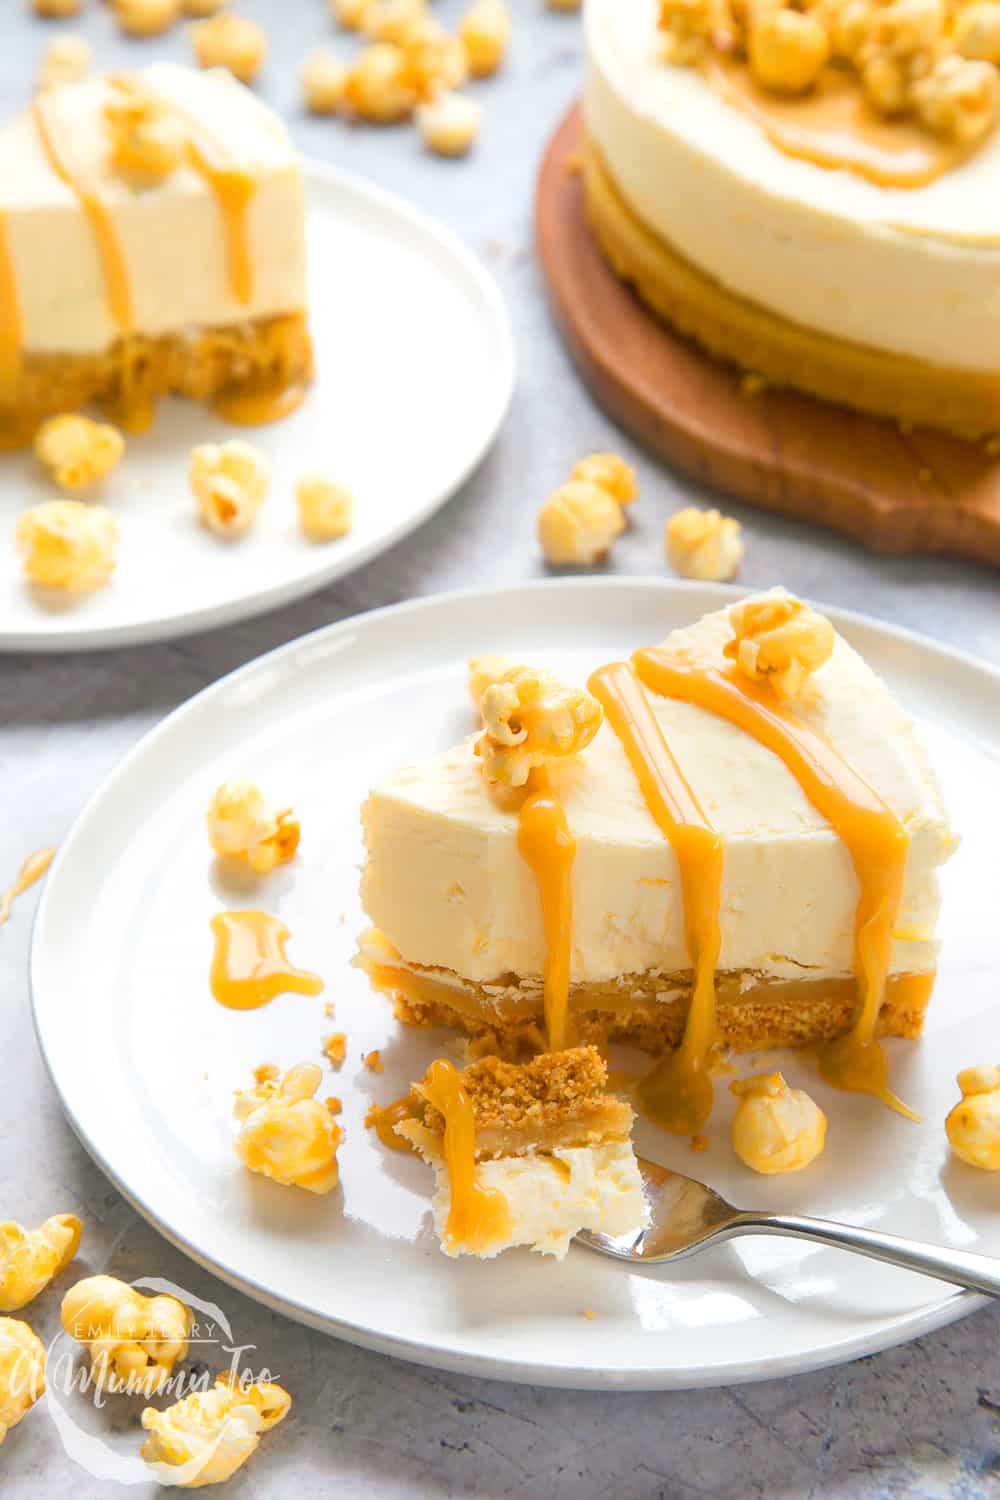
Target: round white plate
146,1061
415,369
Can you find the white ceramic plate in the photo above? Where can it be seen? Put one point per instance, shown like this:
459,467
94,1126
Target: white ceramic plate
415,371
146,1061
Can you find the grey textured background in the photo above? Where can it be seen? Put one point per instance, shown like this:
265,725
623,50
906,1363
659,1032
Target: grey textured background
919,1421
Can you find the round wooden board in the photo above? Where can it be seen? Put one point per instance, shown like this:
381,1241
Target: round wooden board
917,491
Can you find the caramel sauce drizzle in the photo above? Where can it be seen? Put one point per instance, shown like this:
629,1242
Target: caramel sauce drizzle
546,845
478,1217
109,249
834,127
383,1119
250,965
677,1093
10,315
875,839
233,187
33,869
257,408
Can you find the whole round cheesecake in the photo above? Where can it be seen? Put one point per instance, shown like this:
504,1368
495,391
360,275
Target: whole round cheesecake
798,229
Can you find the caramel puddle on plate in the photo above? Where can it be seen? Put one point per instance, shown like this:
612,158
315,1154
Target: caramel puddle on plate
33,869
250,965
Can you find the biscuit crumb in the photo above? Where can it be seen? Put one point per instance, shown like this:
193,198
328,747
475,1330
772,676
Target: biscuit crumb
335,1047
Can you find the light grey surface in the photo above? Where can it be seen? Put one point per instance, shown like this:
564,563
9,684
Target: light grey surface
919,1421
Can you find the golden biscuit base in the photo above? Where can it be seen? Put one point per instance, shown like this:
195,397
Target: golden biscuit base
129,377
782,352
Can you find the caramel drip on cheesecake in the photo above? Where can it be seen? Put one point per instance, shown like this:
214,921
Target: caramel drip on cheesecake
250,965
10,315
677,1093
833,127
232,186
875,839
33,869
478,1217
546,844
61,160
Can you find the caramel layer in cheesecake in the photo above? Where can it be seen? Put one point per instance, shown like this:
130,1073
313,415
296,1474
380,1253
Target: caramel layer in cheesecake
650,1010
265,358
554,1101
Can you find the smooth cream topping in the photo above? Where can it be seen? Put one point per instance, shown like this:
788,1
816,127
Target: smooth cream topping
789,893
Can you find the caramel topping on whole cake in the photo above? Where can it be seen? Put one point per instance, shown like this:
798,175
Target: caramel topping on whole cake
899,93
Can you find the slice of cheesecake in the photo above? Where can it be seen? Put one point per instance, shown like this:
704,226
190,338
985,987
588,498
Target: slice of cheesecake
526,1154
151,240
805,914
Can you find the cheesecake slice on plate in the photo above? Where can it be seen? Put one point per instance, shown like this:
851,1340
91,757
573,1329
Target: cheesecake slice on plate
525,1154
738,856
151,240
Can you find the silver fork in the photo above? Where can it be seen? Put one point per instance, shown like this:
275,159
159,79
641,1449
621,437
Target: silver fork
686,1216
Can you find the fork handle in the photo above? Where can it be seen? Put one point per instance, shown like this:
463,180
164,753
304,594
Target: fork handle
978,1273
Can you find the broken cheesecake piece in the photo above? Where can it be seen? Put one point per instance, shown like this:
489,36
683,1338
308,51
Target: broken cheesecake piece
525,1154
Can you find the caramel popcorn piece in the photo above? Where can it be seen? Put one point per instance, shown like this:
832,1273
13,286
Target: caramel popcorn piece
335,1047
31,1258
380,86
900,49
78,452
779,640
704,544
67,544
977,31
65,59
230,41
486,669
394,20
959,99
147,139
324,78
242,823
775,1128
22,1372
56,10
485,32
449,123
686,25
788,50
286,1133
208,1435
134,1341
352,15
230,482
578,523
973,1126
611,473
530,718
435,59
326,509
146,17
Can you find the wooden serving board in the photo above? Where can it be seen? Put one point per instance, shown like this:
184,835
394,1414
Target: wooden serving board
918,491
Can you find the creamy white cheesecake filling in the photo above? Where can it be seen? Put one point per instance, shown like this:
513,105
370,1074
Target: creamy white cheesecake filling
550,1198
445,882
171,233
915,271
